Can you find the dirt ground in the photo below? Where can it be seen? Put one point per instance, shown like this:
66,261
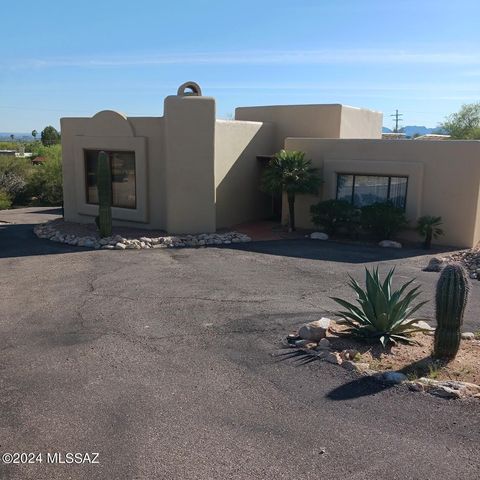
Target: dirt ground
415,360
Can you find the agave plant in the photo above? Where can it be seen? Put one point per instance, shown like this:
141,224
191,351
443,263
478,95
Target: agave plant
382,314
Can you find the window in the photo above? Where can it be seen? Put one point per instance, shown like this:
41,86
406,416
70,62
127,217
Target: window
361,190
122,165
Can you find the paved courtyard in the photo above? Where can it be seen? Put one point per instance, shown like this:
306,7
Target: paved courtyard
161,361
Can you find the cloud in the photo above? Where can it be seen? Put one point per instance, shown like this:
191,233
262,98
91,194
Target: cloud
292,57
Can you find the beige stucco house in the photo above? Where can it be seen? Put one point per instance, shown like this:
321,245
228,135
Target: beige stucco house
187,172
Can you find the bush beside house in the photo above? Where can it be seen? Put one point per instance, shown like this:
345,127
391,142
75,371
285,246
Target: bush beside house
22,183
381,220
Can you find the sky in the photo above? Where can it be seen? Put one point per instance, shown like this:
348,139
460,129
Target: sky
75,58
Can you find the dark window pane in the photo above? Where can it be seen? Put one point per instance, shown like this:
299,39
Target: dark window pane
123,179
344,187
122,166
91,157
369,189
398,191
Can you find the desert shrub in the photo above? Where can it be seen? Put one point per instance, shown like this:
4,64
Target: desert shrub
382,315
14,177
46,180
5,201
332,215
383,220
12,184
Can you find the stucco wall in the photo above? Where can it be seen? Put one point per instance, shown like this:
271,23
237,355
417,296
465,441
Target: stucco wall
316,121
444,178
296,120
190,147
174,163
237,171
360,123
113,131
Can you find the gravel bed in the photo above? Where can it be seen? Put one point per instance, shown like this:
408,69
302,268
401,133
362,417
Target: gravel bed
85,235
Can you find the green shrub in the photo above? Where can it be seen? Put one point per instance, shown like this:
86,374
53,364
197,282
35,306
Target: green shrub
332,215
14,177
429,228
5,201
382,314
46,180
383,220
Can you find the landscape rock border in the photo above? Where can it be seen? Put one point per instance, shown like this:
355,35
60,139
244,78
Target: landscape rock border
51,231
321,349
470,259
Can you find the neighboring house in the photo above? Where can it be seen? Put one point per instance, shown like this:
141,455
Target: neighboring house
394,136
8,153
13,153
433,136
38,160
187,172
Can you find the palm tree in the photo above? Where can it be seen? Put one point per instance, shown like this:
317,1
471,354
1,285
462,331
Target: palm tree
429,227
288,172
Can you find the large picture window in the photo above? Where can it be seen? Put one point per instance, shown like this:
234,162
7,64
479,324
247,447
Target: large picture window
361,190
122,165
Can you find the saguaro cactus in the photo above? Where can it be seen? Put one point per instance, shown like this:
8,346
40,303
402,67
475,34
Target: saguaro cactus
450,301
104,186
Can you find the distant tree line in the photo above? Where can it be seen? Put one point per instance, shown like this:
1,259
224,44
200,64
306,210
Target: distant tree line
464,124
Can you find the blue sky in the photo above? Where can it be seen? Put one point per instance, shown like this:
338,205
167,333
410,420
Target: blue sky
65,58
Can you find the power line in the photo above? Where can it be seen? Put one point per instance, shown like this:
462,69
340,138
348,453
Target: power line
397,119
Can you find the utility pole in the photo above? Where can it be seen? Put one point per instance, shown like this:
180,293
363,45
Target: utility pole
397,119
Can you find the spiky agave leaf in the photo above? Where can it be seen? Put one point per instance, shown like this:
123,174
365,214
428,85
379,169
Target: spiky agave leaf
381,314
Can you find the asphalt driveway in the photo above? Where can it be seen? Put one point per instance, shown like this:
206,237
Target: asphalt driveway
161,361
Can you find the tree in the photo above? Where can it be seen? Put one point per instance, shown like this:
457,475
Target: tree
34,134
49,136
46,181
12,136
288,172
465,124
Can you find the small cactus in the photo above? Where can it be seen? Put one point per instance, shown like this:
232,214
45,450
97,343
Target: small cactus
104,186
450,301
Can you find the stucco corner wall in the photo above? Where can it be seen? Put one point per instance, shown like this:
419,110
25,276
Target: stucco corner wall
320,121
360,123
68,128
237,171
189,153
444,178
